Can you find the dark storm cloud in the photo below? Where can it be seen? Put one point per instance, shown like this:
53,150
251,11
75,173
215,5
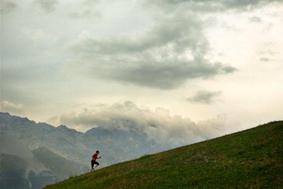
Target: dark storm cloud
210,5
177,31
243,3
164,57
47,5
164,75
204,97
7,6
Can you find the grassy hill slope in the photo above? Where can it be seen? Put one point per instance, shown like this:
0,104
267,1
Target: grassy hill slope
248,159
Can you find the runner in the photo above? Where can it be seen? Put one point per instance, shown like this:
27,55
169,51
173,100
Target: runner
93,160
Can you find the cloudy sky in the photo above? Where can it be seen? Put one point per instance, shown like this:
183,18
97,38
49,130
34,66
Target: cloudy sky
186,61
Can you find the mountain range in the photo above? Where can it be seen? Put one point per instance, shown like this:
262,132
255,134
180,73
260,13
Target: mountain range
46,154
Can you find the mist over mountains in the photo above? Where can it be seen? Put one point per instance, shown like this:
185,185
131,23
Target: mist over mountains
45,154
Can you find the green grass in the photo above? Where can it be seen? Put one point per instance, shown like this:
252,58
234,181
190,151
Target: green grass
248,159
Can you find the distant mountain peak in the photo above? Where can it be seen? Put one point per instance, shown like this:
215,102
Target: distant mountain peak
98,131
65,128
5,113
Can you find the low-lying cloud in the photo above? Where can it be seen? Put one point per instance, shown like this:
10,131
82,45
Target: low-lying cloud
158,125
7,106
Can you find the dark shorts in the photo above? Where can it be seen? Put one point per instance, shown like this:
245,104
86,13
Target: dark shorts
94,162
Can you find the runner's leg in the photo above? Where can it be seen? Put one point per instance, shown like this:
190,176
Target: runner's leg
97,164
92,164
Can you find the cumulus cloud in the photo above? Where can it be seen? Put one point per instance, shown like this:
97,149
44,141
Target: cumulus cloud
47,5
7,6
165,56
204,97
158,125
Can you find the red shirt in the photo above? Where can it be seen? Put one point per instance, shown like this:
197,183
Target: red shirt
94,156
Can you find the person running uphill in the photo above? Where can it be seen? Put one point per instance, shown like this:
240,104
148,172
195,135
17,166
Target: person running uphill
93,160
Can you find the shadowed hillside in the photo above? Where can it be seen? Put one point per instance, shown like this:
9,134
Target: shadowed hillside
57,164
248,159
